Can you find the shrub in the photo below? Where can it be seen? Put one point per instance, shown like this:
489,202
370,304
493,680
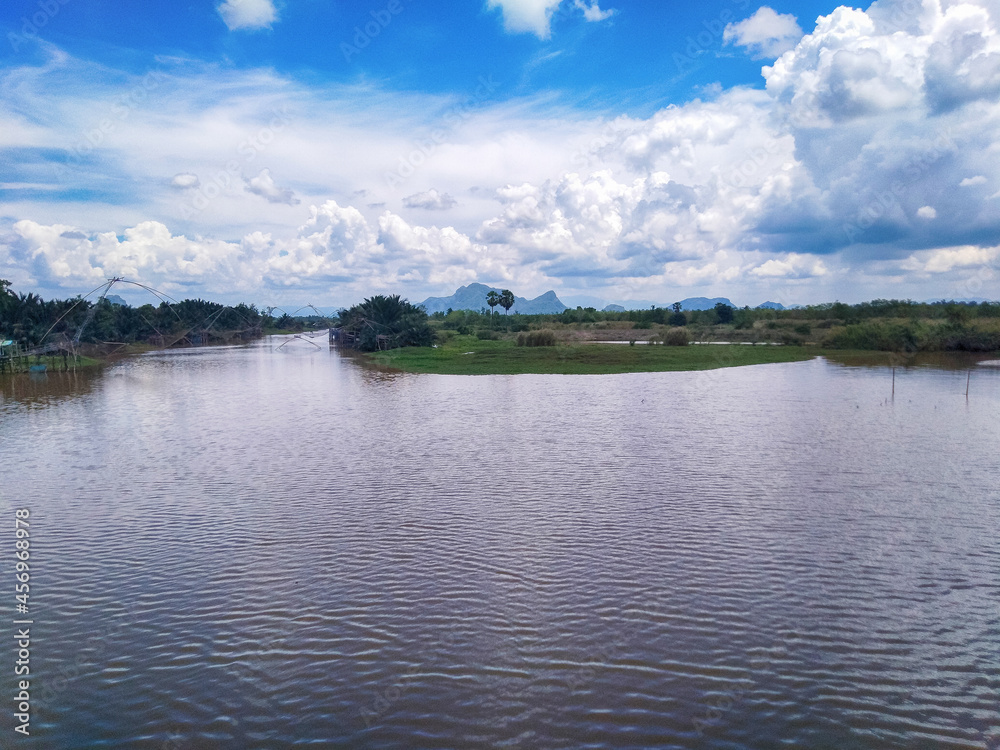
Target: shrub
536,338
803,329
676,337
484,334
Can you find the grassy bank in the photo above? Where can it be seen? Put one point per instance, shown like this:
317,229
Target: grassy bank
467,355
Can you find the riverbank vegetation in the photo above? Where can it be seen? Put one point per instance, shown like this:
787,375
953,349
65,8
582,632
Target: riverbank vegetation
881,325
30,321
469,355
401,334
380,323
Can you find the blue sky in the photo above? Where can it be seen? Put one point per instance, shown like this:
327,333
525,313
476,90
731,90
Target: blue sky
317,151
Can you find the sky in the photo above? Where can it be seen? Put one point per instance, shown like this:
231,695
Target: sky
307,151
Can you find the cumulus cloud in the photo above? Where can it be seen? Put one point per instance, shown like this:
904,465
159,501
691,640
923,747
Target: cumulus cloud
766,33
531,16
791,266
535,16
845,164
858,63
248,14
184,181
947,259
67,256
431,200
592,11
264,186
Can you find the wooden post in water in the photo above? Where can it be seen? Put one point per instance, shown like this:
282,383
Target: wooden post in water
968,377
894,382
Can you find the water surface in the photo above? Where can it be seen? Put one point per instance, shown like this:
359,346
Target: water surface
257,546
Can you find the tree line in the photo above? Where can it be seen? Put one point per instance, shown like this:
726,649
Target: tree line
30,321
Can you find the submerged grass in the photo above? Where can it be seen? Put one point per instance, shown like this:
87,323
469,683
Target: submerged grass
467,355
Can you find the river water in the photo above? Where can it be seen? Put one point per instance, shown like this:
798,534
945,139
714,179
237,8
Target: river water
260,546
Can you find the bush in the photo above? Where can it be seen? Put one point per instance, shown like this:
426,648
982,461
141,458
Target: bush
803,329
536,338
676,337
879,336
484,334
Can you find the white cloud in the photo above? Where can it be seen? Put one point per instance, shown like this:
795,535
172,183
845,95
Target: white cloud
535,16
592,11
821,176
264,186
927,212
971,181
857,64
791,266
184,181
766,33
526,15
431,200
947,259
248,14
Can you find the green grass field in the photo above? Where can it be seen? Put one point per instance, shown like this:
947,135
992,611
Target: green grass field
467,355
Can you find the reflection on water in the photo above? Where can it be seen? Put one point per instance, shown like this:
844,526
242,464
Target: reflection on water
250,546
43,388
936,360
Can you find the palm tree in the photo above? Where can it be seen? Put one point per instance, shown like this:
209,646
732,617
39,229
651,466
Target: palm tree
506,300
492,299
382,322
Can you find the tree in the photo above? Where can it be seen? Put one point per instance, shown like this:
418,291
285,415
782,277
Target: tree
724,312
492,299
677,318
506,300
382,322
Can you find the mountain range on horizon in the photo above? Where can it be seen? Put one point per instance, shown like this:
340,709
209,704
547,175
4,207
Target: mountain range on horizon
473,297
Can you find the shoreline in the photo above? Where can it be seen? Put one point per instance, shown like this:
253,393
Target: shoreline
466,355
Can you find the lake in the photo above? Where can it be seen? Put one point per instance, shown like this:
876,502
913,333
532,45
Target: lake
261,546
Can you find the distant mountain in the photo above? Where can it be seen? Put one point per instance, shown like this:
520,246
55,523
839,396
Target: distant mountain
963,300
702,303
473,297
770,306
691,303
114,299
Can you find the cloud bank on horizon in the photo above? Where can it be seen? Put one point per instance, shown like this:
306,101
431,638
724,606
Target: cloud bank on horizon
861,162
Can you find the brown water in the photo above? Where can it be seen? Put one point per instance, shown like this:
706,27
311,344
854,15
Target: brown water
256,547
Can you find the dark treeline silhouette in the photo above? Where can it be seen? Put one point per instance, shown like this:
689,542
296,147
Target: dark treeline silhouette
382,322
31,321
